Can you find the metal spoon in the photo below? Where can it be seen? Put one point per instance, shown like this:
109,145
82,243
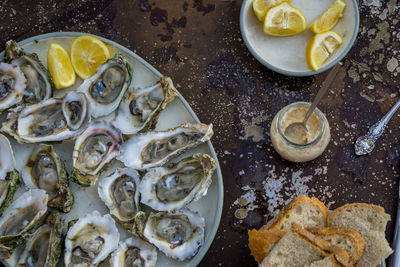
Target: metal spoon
298,130
366,143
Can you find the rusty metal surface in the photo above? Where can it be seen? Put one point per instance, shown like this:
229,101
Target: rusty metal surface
198,44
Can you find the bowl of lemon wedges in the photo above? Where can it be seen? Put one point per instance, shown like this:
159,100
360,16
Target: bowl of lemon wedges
299,37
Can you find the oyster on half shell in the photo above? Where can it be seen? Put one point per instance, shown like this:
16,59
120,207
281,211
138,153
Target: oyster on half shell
12,85
107,86
51,120
141,107
179,234
120,193
19,220
134,252
10,180
44,247
39,85
45,170
174,186
90,240
94,148
153,149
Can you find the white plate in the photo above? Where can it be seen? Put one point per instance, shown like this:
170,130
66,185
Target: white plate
286,55
86,199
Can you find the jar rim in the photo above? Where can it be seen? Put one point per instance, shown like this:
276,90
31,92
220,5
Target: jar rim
301,104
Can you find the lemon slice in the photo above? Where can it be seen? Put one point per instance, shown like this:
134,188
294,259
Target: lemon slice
260,7
320,47
87,54
328,19
60,66
284,20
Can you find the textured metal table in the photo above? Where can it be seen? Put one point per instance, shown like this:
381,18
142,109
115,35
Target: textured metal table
198,44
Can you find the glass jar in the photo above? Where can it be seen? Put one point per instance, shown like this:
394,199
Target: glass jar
318,135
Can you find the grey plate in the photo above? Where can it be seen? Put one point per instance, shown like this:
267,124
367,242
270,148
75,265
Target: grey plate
210,206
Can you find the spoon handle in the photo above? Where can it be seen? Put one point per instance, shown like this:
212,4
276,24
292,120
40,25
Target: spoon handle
377,129
325,85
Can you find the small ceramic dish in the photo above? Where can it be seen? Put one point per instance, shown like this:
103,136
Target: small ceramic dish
286,55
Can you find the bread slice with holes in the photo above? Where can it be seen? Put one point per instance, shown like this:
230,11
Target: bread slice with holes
302,210
298,247
329,261
370,222
347,239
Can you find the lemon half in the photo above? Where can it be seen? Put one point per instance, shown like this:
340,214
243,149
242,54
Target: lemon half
284,20
320,47
260,7
328,19
87,54
60,66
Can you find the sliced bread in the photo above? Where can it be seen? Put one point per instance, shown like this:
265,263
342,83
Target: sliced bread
347,239
329,261
370,222
293,250
261,242
302,210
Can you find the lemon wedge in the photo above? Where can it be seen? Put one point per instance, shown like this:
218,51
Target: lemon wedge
284,20
87,54
320,47
260,7
328,19
60,66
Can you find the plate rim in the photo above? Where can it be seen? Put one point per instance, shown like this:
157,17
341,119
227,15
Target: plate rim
217,219
297,73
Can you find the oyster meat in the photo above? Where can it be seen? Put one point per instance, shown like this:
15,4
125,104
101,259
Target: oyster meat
90,240
153,149
45,170
50,120
12,85
141,107
120,193
134,252
39,85
107,86
93,149
178,234
44,247
174,186
19,220
10,180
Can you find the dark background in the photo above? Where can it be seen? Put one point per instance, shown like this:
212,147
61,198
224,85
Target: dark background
198,43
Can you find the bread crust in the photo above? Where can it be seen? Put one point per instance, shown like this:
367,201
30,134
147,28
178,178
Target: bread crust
261,242
378,208
340,254
354,236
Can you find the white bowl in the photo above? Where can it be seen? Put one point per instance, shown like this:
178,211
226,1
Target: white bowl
286,55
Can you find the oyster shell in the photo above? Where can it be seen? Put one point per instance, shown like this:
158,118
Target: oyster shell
174,186
48,121
134,252
39,85
45,170
106,87
44,247
12,85
178,235
10,180
93,149
152,149
120,194
90,240
141,107
19,220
